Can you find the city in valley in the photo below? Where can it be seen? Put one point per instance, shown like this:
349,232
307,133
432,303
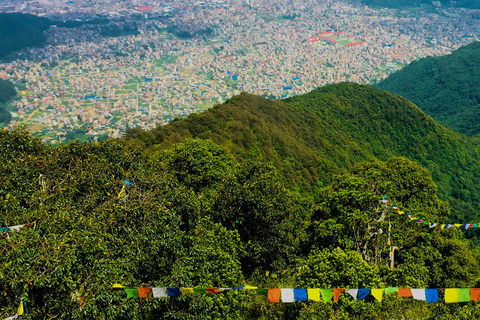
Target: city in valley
174,58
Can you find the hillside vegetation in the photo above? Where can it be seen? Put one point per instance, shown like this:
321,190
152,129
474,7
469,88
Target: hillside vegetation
265,193
471,4
18,31
7,92
310,137
446,87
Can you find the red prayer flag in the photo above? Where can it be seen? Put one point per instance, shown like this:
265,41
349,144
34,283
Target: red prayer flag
143,292
212,290
336,294
274,295
404,292
475,294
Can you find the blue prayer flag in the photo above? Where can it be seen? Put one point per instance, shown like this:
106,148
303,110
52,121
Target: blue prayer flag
300,294
173,292
431,295
362,293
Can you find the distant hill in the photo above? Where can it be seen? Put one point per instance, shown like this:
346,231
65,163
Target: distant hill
7,92
472,4
312,136
18,31
447,87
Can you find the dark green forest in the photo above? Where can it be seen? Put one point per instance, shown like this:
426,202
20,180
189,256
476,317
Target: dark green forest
253,191
446,87
471,4
18,31
312,136
7,92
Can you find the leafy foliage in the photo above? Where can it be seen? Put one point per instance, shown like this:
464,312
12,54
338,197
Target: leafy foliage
327,131
444,87
273,194
18,31
7,92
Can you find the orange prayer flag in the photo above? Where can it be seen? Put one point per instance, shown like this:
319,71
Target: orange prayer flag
475,294
143,292
404,292
212,290
274,294
336,294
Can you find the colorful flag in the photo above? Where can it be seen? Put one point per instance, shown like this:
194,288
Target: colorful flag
159,292
300,294
378,294
313,294
274,294
327,294
287,295
419,294
451,295
431,295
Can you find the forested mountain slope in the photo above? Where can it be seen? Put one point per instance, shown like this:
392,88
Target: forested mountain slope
7,92
446,87
313,136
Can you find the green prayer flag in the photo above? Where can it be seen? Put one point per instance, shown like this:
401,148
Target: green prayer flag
475,225
262,291
391,290
199,290
132,293
464,295
327,294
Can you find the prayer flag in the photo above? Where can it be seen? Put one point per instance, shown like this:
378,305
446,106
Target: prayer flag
186,291
336,293
223,289
475,294
247,287
327,294
431,295
274,295
475,225
391,290
20,309
363,293
118,286
262,291
199,290
458,225
451,295
313,294
159,292
378,294
143,292
132,293
464,295
212,290
300,294
353,293
287,295
173,292
404,292
419,294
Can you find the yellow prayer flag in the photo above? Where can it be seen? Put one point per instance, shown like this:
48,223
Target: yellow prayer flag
451,295
20,308
186,291
401,212
122,193
250,287
377,294
117,286
458,225
442,226
313,294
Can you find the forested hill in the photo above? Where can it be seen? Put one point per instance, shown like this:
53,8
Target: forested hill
7,92
197,216
312,136
18,31
446,87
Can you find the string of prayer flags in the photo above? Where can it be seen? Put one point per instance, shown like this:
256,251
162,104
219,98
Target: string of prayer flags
289,295
446,226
